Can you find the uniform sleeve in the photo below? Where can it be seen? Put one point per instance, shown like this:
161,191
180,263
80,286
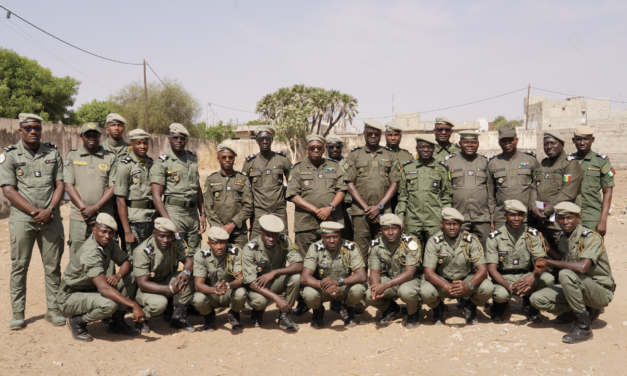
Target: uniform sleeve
214,219
355,258
112,171
118,255
492,251
68,171
401,206
92,260
121,179
341,184
58,171
570,189
237,262
607,175
293,257
246,169
431,255
533,194
157,173
311,258
141,263
491,192
351,171
595,249
537,248
183,250
395,172
446,193
7,173
287,171
250,268
373,260
200,270
294,183
410,259
247,206
475,250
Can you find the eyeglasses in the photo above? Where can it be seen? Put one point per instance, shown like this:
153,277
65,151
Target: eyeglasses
178,138
90,135
262,139
315,148
442,130
331,147
30,128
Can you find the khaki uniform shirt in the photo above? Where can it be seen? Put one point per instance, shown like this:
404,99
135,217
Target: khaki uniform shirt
402,155
372,174
132,181
149,260
440,153
266,179
451,262
91,176
510,257
258,260
469,184
391,259
33,177
597,173
600,270
318,186
348,199
217,269
179,179
424,192
339,264
118,148
94,260
558,181
228,199
511,179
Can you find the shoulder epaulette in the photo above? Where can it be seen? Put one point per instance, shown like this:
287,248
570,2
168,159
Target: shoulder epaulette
163,157
406,151
603,156
51,145
101,250
252,245
560,234
407,238
150,159
250,157
388,149
9,148
570,158
177,236
283,238
489,157
281,153
191,152
213,173
406,163
233,250
149,249
530,153
374,242
320,247
206,253
355,148
495,234
449,156
468,237
532,231
295,164
586,233
438,239
333,160
126,160
240,172
443,164
350,246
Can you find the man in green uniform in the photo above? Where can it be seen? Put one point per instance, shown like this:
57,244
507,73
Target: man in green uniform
266,275
395,272
176,177
425,191
372,175
467,172
155,266
335,144
598,175
333,270
31,175
115,143
228,197
455,266
510,176
219,280
393,137
87,294
558,179
586,284
511,253
266,171
443,131
133,192
88,183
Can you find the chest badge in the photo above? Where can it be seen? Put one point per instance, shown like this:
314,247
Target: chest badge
501,259
135,180
102,166
320,176
268,172
547,175
217,194
20,172
435,184
500,180
306,182
38,174
2,158
516,262
471,173
229,188
254,180
362,170
412,245
177,178
152,275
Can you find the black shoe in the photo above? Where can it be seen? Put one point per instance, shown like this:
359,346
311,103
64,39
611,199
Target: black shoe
142,327
117,325
256,318
532,313
497,312
565,318
337,307
169,310
488,304
404,310
234,320
581,330
78,328
301,307
210,321
461,302
317,319
107,320
388,315
285,322
179,319
594,314
412,321
470,313
348,315
359,309
439,314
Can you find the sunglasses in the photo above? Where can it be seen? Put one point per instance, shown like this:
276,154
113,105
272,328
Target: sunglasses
331,147
315,148
91,135
443,130
178,138
262,139
30,128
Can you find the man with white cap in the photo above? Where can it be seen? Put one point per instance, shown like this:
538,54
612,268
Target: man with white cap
335,146
176,177
87,294
443,130
586,284
219,279
266,275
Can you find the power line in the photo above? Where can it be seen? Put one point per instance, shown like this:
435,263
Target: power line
573,95
235,109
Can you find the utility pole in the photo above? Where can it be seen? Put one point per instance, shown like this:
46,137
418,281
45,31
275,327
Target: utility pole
146,96
527,111
207,123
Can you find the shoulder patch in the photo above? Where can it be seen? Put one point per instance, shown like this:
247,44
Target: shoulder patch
295,164
252,245
149,249
374,242
603,156
570,158
489,157
163,157
350,246
586,233
281,153
438,239
532,231
495,234
9,148
320,247
406,163
406,151
388,149
560,234
333,160
101,250
355,148
530,153
51,145
443,164
206,253
233,250
468,237
126,160
250,157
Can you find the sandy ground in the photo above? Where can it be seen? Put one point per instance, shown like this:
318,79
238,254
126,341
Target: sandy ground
513,348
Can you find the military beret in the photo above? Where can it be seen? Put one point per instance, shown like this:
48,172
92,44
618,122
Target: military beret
334,139
115,118
222,147
507,132
271,223
165,225
451,214
329,227
515,206
315,137
393,127
138,134
178,128
106,220
265,128
91,126
584,130
390,220
443,120
554,134
217,233
469,135
25,118
426,138
566,207
371,123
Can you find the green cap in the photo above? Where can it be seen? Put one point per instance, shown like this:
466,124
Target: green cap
390,220
227,147
329,227
217,233
25,118
271,223
554,134
507,132
265,128
315,137
426,138
91,126
334,139
116,118
515,206
443,120
469,135
393,127
165,225
371,123
567,207
106,220
138,134
178,128
451,214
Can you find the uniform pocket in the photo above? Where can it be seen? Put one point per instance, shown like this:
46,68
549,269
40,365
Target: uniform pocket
457,178
501,178
216,192
524,176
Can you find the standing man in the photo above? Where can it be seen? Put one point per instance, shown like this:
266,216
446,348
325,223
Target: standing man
89,184
31,175
175,176
558,179
443,131
133,192
228,197
266,171
335,144
425,191
598,175
393,137
372,175
115,143
510,177
467,172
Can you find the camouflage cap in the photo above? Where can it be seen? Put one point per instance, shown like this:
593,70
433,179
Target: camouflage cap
329,227
584,130
265,128
227,147
106,220
393,127
451,214
178,128
514,206
116,118
371,123
138,134
89,127
554,134
443,120
271,223
390,220
217,233
334,139
426,138
472,135
315,137
567,207
165,225
25,118
507,132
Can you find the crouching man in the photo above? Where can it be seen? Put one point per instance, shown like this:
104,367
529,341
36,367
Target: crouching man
87,295
219,280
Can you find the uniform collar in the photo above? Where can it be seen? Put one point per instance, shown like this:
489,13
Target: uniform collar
174,157
309,164
114,143
388,246
586,158
82,152
439,148
41,151
430,164
229,176
379,149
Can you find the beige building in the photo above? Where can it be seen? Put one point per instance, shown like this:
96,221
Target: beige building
570,113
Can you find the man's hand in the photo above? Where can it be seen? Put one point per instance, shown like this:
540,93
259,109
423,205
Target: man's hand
229,228
601,227
139,314
459,288
539,214
261,282
221,288
283,306
113,279
524,285
42,216
129,237
324,214
328,282
333,291
88,212
372,212
203,224
377,290
449,288
180,283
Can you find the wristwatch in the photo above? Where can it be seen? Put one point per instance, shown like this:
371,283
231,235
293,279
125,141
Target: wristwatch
340,281
380,206
52,209
187,272
471,287
332,208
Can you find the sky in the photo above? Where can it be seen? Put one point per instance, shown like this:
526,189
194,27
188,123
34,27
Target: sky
430,55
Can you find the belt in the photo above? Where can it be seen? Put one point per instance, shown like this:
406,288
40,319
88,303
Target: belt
136,204
515,272
182,203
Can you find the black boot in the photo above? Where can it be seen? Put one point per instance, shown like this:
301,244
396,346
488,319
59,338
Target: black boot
413,320
234,320
461,302
388,315
210,321
117,325
565,317
439,314
107,320
404,310
285,322
78,327
317,320
169,310
470,313
142,327
301,307
594,314
359,309
349,317
256,318
581,330
497,312
532,313
337,307
179,319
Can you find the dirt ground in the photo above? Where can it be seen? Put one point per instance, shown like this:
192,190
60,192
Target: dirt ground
513,348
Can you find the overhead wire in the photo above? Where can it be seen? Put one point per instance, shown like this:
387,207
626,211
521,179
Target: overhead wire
574,95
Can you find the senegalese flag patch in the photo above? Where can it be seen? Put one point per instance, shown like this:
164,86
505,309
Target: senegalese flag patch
611,173
398,165
567,178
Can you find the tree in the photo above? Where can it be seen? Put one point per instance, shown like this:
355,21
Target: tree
254,123
26,86
500,122
96,112
292,128
220,131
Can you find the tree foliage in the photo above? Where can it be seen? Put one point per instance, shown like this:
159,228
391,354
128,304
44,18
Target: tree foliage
217,133
96,112
501,121
291,128
26,86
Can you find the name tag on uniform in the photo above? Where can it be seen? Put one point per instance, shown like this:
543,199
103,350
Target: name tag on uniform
136,172
51,161
173,171
80,163
375,163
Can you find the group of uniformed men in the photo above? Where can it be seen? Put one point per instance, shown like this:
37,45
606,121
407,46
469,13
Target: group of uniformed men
426,228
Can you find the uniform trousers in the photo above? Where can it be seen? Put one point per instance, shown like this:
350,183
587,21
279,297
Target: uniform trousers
432,295
155,304
503,295
351,295
284,284
187,222
235,299
408,292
